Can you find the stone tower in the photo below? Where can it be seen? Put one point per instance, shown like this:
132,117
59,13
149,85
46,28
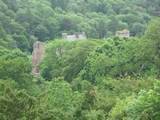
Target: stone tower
37,56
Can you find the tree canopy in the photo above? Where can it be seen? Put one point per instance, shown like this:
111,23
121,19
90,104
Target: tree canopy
104,77
23,22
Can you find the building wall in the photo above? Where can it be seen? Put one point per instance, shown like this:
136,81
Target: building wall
74,37
123,33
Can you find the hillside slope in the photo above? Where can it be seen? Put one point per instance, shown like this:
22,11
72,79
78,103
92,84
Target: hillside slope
23,22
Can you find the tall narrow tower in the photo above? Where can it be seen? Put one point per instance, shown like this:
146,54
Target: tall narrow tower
37,56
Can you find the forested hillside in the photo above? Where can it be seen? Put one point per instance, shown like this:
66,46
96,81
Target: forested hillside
22,22
104,77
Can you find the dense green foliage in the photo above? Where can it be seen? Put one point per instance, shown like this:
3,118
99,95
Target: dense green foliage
112,79
23,22
96,79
